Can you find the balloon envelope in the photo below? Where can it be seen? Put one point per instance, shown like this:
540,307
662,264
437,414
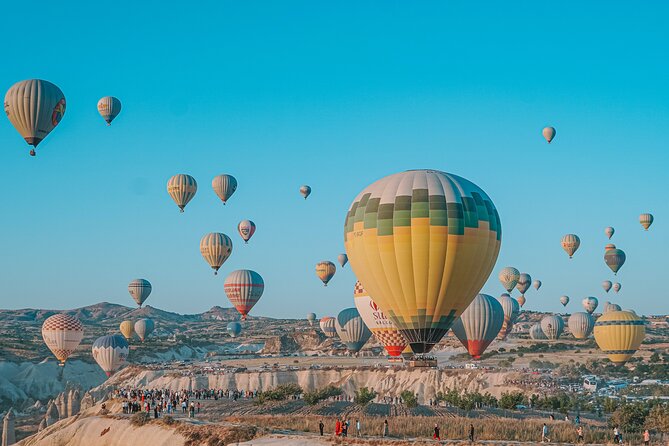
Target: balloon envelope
646,220
305,191
619,334
615,259
352,330
524,283
552,326
511,310
62,333
581,324
244,288
325,270
509,278
224,186
378,323
590,304
234,328
423,243
570,244
549,134
609,307
479,324
182,189
34,107
609,231
127,329
342,259
617,286
521,300
564,300
607,285
139,289
327,325
536,284
144,327
537,333
311,317
215,248
246,229
109,107
110,352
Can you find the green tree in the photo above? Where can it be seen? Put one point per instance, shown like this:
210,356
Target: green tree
409,399
509,400
658,419
319,395
630,417
364,396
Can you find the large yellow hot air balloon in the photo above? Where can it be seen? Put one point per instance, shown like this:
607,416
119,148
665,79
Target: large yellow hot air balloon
423,242
182,189
619,334
34,107
215,247
127,329
325,270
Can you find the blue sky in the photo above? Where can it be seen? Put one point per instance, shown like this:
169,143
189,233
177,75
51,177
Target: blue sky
334,95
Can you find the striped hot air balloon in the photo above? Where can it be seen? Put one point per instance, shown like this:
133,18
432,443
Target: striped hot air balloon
552,326
127,329
549,134
234,328
609,307
311,318
509,278
144,327
511,310
62,333
479,324
327,325
110,352
215,248
607,284
325,270
244,289
614,258
536,333
570,244
581,324
182,189
423,243
246,229
524,283
352,329
590,304
224,186
619,334
109,107
378,323
646,220
139,289
34,107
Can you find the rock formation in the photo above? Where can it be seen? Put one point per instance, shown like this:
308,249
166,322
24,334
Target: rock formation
8,436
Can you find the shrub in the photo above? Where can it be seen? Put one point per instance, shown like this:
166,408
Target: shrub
409,399
364,396
279,393
319,395
140,419
509,400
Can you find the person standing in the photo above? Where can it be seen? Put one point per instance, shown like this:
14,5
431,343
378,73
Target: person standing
338,428
471,432
616,435
357,428
579,431
321,426
544,434
385,428
646,437
436,436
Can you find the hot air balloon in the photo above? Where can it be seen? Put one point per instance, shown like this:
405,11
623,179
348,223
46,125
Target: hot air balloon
423,242
305,191
234,328
352,330
564,300
509,277
327,325
511,311
570,244
646,220
110,352
615,259
224,186
139,289
536,333
521,300
609,231
479,324
609,307
144,327
378,323
311,318
607,285
62,333
127,329
109,107
215,248
549,134
34,107
590,304
581,324
619,334
536,284
524,282
325,270
246,229
407,353
609,247
552,326
617,286
244,289
182,189
342,259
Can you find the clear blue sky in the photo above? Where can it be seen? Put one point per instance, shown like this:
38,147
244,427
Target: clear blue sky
334,95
